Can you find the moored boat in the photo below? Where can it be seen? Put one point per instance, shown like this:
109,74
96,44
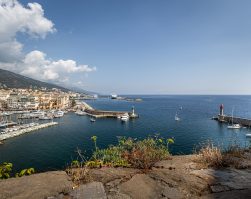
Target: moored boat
92,119
124,117
80,113
233,126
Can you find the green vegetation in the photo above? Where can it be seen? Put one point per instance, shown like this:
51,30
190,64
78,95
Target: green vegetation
129,152
6,171
142,154
25,172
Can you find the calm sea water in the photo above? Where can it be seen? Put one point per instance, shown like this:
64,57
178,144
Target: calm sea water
53,148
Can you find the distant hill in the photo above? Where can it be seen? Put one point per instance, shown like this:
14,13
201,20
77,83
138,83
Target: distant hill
13,80
80,90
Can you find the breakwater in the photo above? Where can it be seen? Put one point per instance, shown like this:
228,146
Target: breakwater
231,119
26,130
101,113
236,120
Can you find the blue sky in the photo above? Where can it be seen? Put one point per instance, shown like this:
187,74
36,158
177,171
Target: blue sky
151,47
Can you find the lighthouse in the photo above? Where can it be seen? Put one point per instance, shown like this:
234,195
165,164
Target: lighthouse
221,110
133,112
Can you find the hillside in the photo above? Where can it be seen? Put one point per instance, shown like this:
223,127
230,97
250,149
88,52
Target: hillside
13,80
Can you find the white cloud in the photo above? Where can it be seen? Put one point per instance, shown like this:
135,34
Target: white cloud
30,20
15,18
37,66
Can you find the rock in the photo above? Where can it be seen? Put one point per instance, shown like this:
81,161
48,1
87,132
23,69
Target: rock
219,188
235,194
93,190
205,174
113,183
36,186
106,175
141,187
172,193
118,195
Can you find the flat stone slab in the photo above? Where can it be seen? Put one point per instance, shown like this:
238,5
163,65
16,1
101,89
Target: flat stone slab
93,190
37,186
141,187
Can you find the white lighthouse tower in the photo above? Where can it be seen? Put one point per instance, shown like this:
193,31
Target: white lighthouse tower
133,112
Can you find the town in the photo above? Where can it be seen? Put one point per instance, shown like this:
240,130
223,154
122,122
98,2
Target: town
38,99
21,109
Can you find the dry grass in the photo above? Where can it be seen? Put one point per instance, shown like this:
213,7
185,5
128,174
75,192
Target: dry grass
213,156
78,171
210,156
79,175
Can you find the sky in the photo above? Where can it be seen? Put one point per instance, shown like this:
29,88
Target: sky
132,46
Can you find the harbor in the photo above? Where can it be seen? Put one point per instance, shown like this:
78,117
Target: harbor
54,146
15,123
22,129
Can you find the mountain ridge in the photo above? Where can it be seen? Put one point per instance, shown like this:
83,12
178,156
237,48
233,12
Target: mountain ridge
14,80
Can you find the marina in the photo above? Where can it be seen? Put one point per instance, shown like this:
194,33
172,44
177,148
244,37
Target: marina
19,130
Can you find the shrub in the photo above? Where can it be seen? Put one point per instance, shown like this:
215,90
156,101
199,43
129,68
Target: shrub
78,172
144,154
5,170
131,153
25,172
213,156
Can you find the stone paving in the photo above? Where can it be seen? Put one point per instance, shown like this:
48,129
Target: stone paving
176,178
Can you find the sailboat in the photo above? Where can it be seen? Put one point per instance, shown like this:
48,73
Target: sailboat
176,117
233,126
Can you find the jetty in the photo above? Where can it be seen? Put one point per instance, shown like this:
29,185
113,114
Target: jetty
108,114
18,132
229,118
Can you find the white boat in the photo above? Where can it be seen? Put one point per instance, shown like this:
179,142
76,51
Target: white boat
5,113
37,114
233,126
176,117
25,116
248,135
6,124
114,96
59,114
92,120
46,118
124,117
80,112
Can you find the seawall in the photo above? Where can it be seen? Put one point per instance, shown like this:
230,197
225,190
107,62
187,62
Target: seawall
236,120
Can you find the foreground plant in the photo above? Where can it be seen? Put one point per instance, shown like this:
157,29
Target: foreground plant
25,172
78,171
6,171
129,152
214,156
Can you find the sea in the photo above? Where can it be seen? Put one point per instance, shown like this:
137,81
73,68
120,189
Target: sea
55,147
